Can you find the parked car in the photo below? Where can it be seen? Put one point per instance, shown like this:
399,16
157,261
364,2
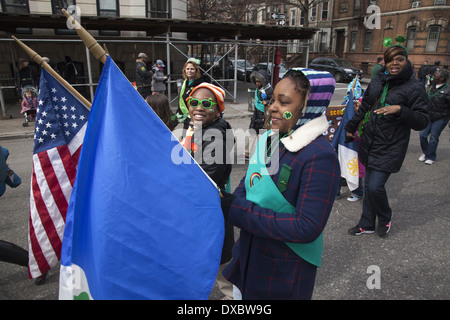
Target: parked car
244,68
341,69
268,67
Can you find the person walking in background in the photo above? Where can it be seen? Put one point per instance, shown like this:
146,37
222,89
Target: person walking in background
70,71
192,78
160,104
263,95
393,104
423,72
143,76
439,114
158,85
377,67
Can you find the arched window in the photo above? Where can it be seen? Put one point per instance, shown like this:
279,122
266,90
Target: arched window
433,38
411,38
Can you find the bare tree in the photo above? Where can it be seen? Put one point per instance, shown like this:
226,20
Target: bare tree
220,10
304,5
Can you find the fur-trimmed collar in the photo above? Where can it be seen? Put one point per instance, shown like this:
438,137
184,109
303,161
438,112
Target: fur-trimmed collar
306,134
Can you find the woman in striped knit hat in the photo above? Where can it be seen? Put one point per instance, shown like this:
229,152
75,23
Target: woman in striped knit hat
283,203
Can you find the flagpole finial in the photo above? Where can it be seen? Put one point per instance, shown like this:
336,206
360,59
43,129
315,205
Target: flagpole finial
31,53
97,51
39,60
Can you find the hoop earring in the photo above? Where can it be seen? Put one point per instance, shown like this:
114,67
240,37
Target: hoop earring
304,104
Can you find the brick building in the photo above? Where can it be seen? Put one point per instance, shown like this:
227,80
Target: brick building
359,30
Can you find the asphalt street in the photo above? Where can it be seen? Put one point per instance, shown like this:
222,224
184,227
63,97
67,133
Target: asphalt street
411,263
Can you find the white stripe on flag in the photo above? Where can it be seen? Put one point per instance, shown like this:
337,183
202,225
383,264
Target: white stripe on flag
348,160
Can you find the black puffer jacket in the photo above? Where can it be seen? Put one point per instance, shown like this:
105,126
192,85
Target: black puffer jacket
385,140
439,107
217,141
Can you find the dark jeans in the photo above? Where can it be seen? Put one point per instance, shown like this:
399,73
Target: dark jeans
433,130
358,191
375,201
9,252
145,91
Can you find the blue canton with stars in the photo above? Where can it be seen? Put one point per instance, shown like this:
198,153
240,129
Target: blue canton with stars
59,115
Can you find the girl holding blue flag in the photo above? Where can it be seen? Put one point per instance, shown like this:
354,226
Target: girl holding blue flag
283,203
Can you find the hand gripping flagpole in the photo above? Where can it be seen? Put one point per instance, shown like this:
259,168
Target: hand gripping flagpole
39,60
88,40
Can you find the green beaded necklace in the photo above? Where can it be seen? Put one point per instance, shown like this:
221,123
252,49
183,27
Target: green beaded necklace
431,96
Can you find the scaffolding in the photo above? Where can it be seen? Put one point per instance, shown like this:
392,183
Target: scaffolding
215,49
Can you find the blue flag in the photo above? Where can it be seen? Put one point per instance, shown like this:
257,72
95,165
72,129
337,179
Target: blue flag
139,225
347,151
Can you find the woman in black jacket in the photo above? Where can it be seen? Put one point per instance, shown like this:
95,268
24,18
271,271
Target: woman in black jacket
393,104
439,113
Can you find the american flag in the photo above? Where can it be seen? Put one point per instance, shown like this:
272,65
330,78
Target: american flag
61,121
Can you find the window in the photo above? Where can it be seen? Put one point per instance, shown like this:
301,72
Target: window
367,40
108,8
292,23
15,6
323,38
440,2
353,41
357,6
433,38
411,38
254,15
325,11
267,12
158,9
313,13
302,18
57,6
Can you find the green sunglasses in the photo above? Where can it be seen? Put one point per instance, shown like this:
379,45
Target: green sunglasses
206,103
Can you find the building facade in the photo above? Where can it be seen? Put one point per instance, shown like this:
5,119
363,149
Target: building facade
355,29
359,28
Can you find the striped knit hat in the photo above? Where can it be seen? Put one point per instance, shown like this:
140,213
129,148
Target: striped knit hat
218,92
322,85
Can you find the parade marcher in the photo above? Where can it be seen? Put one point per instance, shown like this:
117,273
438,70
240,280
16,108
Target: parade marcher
393,104
206,103
70,71
283,203
439,114
263,95
158,85
24,76
423,72
376,68
160,104
143,76
10,252
7,175
192,77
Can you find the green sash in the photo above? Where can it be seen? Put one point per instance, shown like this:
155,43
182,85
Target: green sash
261,189
184,109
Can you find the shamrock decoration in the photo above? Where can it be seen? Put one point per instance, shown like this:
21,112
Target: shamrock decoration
287,115
400,39
387,42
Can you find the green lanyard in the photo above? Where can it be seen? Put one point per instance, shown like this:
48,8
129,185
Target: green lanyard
440,89
383,96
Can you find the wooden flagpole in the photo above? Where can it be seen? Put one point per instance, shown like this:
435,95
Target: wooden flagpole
97,51
39,60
